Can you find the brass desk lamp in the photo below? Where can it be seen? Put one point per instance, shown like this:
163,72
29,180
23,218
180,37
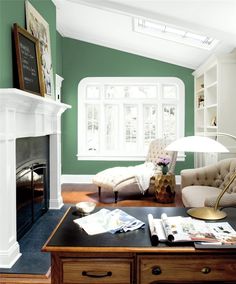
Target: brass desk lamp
205,145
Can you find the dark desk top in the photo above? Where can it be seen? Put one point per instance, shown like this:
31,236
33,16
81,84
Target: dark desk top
69,235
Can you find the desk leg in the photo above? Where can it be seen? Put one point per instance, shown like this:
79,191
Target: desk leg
56,271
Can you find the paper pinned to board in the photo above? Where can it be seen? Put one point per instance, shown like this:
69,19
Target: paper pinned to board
109,221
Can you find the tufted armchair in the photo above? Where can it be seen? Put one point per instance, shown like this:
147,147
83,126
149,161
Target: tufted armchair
118,178
201,186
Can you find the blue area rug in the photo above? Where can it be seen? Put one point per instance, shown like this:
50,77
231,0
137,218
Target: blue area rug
33,261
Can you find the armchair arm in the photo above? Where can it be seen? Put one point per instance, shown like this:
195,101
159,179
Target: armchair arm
200,176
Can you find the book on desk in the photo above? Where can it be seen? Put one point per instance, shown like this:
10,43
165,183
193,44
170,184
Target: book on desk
177,229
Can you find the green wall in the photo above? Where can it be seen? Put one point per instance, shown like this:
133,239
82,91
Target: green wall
75,60
13,11
80,60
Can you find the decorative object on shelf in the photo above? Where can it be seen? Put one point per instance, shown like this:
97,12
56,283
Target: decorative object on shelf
163,162
204,144
213,121
59,80
164,186
201,101
38,27
28,61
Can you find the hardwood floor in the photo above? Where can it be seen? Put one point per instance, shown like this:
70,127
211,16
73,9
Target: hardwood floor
73,193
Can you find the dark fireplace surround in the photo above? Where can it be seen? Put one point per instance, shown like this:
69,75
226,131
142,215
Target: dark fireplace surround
32,181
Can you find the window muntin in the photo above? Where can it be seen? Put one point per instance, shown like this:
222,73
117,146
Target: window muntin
118,117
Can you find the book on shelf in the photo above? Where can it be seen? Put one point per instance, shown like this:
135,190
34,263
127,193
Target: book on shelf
186,229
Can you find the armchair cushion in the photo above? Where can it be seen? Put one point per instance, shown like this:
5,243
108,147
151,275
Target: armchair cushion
195,195
227,200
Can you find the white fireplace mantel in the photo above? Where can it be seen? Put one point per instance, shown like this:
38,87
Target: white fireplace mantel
23,114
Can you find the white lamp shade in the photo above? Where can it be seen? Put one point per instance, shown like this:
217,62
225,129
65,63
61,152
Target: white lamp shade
197,144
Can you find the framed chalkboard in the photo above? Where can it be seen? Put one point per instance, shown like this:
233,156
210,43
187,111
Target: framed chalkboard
28,61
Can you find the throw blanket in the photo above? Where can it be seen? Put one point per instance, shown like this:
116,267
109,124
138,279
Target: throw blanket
143,174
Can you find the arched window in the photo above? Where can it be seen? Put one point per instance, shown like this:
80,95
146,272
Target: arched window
119,116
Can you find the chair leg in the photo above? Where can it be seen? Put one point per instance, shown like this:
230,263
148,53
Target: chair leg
116,196
99,192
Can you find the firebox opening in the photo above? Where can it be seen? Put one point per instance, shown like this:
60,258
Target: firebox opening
32,181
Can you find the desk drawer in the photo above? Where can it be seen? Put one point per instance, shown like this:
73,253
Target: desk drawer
190,268
97,270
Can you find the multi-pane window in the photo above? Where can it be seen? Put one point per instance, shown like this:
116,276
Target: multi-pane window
118,117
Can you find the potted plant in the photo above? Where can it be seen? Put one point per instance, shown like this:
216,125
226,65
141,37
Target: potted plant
163,162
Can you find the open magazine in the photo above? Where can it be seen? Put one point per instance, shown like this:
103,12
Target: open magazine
187,229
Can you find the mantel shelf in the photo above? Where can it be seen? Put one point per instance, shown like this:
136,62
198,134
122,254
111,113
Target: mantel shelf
25,115
25,101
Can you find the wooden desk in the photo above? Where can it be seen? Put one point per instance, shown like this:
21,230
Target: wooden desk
129,257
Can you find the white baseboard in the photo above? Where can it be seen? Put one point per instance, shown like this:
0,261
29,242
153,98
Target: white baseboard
76,179
88,179
178,179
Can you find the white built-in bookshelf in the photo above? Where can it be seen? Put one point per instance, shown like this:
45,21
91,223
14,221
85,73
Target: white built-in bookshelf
215,103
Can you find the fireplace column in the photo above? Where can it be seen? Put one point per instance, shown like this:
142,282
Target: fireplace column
55,198
9,247
24,115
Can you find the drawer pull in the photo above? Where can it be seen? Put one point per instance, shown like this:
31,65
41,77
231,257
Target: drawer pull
206,270
156,270
96,274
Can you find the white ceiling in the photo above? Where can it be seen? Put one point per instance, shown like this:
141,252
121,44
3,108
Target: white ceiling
109,23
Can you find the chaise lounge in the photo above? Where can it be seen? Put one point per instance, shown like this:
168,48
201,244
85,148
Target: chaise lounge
118,178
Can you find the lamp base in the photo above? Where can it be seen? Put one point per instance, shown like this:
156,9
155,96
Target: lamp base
206,213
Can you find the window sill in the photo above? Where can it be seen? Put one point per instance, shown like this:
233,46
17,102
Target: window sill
84,157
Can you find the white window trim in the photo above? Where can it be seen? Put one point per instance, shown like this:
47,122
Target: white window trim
96,81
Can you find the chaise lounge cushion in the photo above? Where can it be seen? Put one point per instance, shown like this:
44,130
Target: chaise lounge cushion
112,178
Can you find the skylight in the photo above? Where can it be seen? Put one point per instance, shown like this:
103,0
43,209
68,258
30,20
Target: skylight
172,33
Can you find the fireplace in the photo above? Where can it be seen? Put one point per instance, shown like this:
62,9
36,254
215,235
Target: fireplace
32,181
24,115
